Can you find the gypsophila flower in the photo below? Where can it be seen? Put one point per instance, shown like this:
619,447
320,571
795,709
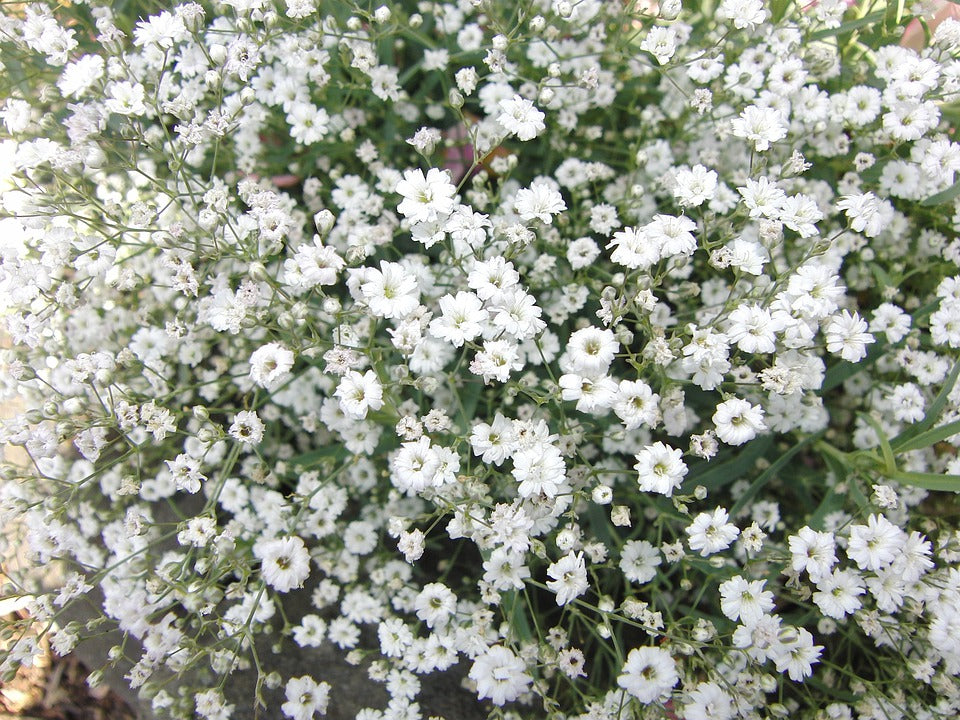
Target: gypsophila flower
305,698
270,365
247,427
519,117
737,421
660,469
284,562
569,577
499,675
425,197
359,393
289,291
846,335
710,533
541,201
648,674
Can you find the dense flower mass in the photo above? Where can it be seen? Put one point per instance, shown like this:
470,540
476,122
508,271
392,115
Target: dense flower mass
604,354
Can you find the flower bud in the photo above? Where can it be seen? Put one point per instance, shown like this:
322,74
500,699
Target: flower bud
381,14
670,9
324,221
258,271
218,53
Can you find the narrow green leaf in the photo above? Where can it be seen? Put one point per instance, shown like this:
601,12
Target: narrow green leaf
715,476
944,196
893,16
856,493
837,374
330,451
928,481
933,413
831,501
931,437
771,472
889,461
849,26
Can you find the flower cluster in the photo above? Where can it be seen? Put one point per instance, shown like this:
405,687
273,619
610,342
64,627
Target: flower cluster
603,351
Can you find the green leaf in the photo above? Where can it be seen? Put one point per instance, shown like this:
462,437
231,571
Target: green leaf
928,481
849,26
931,437
310,458
771,472
832,500
933,414
889,461
837,374
944,196
715,476
893,16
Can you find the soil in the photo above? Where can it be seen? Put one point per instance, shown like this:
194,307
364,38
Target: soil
56,688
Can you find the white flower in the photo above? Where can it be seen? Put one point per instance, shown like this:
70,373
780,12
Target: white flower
390,292
837,593
435,604
796,655
494,443
754,328
582,252
708,701
762,125
636,404
592,394
79,76
661,42
305,698
539,470
633,248
812,551
285,562
270,365
521,118
412,544
745,14
247,427
540,201
710,532
648,674
569,575
891,321
695,186
639,560
359,393
875,545
867,213
505,569
463,318
660,468
426,198
590,350
745,601
737,421
125,98
414,467
847,335
499,675
496,361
